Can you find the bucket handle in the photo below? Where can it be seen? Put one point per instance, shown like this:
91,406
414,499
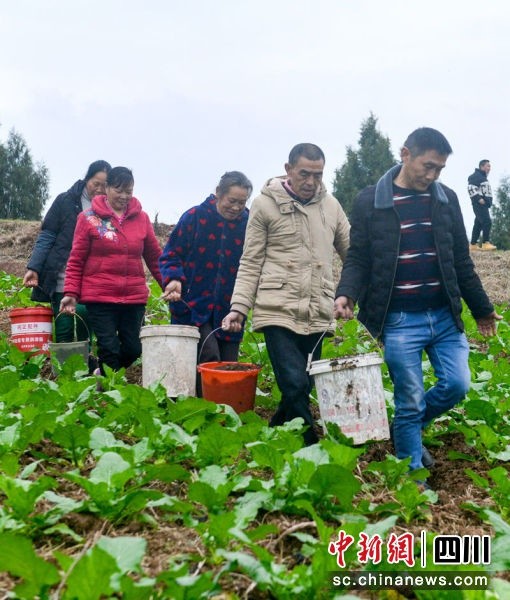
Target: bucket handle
28,287
335,325
79,317
218,329
214,331
172,316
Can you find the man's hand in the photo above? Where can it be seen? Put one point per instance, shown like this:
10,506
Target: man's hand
172,292
68,305
487,325
481,201
233,322
31,278
343,308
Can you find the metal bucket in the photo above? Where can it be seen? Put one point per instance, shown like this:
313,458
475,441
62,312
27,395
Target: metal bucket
63,350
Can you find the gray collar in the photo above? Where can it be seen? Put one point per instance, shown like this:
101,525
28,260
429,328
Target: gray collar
384,189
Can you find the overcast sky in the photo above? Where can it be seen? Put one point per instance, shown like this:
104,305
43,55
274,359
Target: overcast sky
183,91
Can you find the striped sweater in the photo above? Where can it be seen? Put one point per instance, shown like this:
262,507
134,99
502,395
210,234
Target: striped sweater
417,284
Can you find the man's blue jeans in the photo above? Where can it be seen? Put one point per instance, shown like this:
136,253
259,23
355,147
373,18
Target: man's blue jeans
405,336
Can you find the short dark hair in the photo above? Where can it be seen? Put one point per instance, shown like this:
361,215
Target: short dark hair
98,166
231,178
309,151
483,162
426,138
120,177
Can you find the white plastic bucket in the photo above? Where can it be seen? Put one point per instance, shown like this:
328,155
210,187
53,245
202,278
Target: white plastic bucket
169,355
351,394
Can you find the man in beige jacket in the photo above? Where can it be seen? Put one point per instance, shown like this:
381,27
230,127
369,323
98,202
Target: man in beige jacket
286,275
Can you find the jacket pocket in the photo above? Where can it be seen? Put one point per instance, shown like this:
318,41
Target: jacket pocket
285,226
272,297
395,319
272,283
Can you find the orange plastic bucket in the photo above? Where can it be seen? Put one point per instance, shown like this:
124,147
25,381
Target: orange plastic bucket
31,328
230,383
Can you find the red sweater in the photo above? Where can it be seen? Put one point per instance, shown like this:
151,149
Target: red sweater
105,264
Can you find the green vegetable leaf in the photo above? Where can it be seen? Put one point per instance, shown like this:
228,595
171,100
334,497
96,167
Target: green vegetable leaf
17,557
333,479
127,551
91,577
113,470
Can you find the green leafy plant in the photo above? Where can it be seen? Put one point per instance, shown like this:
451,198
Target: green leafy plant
351,338
253,505
157,311
13,294
18,557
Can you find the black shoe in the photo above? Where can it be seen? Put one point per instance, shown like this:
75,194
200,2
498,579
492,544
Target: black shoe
310,437
93,364
427,460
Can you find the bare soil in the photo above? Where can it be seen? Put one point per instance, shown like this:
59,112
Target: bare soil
448,479
233,367
17,241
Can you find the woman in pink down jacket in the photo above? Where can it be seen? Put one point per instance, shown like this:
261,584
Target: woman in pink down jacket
105,269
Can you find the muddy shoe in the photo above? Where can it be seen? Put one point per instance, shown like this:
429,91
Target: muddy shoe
474,247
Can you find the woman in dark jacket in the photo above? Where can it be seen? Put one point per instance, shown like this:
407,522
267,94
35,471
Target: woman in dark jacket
47,265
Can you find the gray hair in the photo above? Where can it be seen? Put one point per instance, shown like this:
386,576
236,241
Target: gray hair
231,178
305,150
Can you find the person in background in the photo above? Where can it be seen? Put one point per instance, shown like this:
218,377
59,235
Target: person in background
47,264
199,266
286,275
480,192
105,269
408,267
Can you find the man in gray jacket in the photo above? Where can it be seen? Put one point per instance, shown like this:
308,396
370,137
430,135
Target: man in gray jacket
286,275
